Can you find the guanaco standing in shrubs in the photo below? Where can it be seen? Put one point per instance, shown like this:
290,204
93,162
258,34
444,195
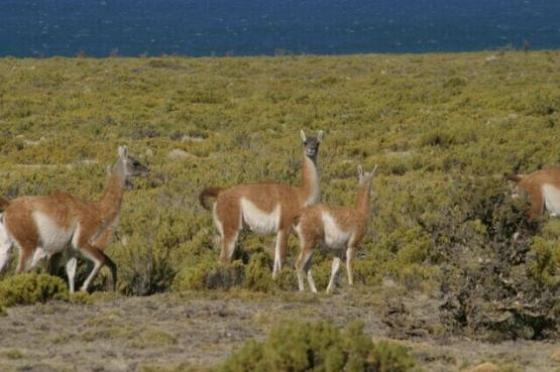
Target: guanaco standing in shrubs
336,228
41,226
265,208
542,189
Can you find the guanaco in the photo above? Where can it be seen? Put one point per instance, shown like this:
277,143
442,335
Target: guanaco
542,189
40,226
336,228
265,208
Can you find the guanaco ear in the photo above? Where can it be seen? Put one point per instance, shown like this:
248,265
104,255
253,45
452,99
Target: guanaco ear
360,171
373,171
320,135
302,135
123,152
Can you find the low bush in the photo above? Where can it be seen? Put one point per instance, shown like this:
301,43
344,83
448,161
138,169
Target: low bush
318,347
208,273
30,288
258,273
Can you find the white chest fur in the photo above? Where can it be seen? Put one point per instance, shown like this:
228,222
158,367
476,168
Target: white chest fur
3,233
551,199
259,221
335,237
53,238
5,245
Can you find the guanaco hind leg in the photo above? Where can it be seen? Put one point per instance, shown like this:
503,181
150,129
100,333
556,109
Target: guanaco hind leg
303,266
227,218
279,252
24,256
334,270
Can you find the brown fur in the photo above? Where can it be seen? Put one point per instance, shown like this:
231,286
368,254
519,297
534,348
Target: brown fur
311,229
266,197
531,185
4,203
91,223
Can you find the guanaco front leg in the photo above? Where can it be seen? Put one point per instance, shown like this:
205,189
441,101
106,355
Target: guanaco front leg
99,259
350,252
71,266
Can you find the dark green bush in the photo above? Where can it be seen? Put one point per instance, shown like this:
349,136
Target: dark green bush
30,288
498,279
318,347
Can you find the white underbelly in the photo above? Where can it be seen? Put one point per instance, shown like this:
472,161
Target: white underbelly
335,237
551,199
258,220
52,237
5,245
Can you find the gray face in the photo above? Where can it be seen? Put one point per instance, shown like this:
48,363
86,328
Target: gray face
311,146
127,167
365,177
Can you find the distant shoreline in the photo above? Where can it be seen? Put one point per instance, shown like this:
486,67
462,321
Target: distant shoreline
273,56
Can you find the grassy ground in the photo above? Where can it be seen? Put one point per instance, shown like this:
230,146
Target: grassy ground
443,128
194,331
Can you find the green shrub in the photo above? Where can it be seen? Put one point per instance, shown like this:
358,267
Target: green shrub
287,279
208,273
30,288
542,263
390,357
544,103
258,273
319,347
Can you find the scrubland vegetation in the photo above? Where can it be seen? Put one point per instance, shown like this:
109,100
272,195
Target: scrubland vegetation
443,128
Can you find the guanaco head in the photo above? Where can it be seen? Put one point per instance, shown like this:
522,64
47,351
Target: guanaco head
516,190
127,167
311,144
364,178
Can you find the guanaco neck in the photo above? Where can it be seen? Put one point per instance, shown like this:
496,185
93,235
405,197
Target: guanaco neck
310,181
110,203
362,199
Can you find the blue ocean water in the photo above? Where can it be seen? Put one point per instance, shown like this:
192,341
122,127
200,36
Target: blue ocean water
264,27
